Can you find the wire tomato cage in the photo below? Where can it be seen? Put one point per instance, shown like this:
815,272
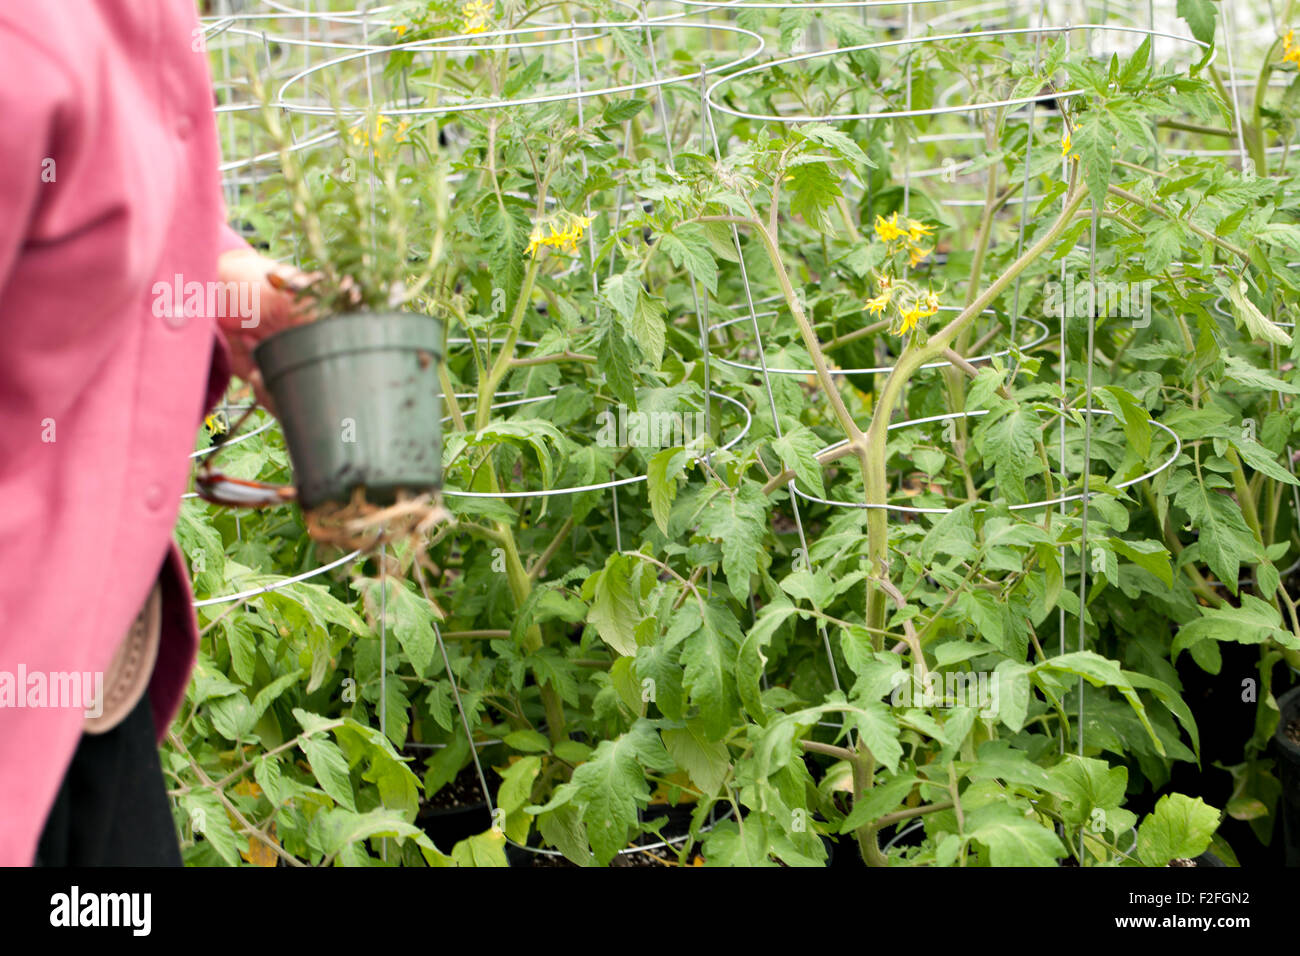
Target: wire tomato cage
295,97
714,100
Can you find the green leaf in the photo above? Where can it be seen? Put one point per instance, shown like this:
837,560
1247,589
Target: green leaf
879,730
1163,241
836,140
813,187
1224,537
330,770
1012,838
1100,671
688,247
738,521
1179,828
798,451
615,611
705,762
528,741
1087,784
1200,16
1094,140
1149,555
620,111
1132,415
647,324
514,794
1248,314
482,849
413,620
751,660
1263,460
1011,443
709,655
610,787
1255,621
208,820
621,292
661,479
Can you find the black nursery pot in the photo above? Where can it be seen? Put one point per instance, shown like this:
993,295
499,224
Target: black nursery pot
359,400
1288,771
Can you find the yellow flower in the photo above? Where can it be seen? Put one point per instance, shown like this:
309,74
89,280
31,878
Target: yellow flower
910,318
877,305
1066,142
536,238
1291,52
216,424
929,303
571,229
365,137
400,29
916,231
887,229
917,254
477,13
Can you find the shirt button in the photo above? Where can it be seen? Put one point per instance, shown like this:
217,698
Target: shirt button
153,497
184,126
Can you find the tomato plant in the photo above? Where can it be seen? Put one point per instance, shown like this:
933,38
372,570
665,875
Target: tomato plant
849,444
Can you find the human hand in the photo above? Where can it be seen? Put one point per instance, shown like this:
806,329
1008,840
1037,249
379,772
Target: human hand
276,308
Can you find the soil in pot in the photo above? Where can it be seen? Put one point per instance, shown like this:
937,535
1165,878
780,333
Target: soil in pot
458,810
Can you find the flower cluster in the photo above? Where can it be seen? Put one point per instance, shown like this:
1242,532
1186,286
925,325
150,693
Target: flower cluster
375,136
559,232
909,301
477,14
889,231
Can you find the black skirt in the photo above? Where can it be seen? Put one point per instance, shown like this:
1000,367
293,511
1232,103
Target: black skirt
113,809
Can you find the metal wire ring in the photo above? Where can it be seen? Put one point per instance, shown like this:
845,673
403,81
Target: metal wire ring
447,45
884,369
932,111
613,483
903,509
276,585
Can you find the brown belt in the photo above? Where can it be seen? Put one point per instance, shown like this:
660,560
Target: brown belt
128,674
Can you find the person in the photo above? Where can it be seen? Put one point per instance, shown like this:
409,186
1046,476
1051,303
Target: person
110,200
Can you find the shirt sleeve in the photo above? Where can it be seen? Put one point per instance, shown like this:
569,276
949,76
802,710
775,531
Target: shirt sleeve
33,90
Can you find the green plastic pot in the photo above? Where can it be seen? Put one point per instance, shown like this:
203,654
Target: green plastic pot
359,400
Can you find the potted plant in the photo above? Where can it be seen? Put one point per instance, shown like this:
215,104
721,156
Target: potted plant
357,389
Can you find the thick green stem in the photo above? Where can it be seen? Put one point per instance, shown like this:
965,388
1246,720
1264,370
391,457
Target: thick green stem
874,475
502,364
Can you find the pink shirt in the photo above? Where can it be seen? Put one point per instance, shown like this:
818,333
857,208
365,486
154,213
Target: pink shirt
108,184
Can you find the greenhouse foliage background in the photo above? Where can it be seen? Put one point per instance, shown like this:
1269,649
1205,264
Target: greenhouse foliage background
842,592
